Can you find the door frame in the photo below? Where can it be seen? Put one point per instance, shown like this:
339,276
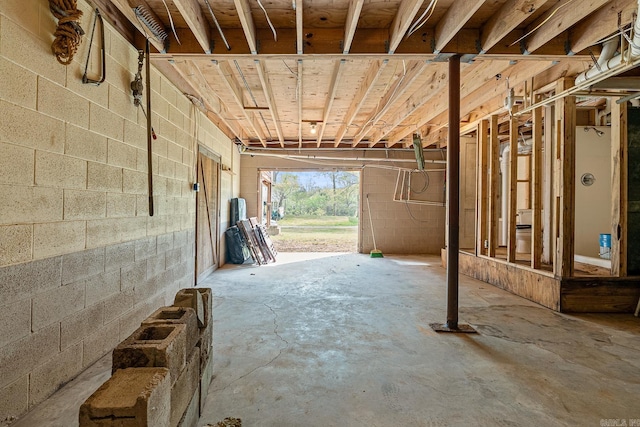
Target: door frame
215,229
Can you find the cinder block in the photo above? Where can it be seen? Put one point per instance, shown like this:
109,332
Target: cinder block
75,328
121,205
102,286
166,168
59,369
82,265
57,170
85,144
192,414
138,397
21,281
164,243
18,85
121,155
15,243
205,343
14,400
135,135
15,321
153,346
174,152
118,304
155,265
121,103
177,315
100,343
135,182
16,163
134,274
104,177
59,102
53,305
21,356
185,387
21,204
83,204
206,375
193,299
119,255
102,232
56,238
106,122
146,248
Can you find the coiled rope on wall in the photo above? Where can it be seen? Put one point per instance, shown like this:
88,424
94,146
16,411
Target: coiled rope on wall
68,34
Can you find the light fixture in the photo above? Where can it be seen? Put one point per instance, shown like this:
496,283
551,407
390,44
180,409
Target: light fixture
313,128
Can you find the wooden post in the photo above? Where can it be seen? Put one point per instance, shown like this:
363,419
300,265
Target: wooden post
482,194
549,196
619,190
494,183
566,122
513,190
536,190
453,192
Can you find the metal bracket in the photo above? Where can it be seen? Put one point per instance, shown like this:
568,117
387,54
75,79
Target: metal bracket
459,329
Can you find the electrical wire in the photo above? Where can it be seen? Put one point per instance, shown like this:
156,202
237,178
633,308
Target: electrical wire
542,23
420,21
273,30
173,27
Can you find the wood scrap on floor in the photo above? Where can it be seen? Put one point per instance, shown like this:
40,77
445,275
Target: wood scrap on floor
258,241
227,422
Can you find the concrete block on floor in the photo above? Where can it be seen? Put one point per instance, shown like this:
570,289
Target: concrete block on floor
192,414
193,299
206,376
130,398
185,388
153,346
177,315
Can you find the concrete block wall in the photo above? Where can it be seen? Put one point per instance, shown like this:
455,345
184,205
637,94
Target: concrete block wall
81,262
400,228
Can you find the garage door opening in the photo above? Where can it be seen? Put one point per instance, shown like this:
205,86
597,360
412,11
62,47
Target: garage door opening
315,211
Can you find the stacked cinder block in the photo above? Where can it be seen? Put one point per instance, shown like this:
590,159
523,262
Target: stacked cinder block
173,343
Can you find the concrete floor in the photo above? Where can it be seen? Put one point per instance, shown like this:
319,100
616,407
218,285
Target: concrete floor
345,341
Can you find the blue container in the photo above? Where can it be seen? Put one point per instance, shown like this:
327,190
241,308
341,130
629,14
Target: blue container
605,246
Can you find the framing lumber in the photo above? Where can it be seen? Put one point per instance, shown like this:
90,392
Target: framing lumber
548,239
453,20
510,15
338,69
402,21
248,26
353,15
299,92
299,27
619,188
192,14
566,131
226,73
560,21
482,192
536,190
513,190
494,182
602,23
271,101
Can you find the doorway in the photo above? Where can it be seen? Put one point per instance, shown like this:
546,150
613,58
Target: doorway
207,214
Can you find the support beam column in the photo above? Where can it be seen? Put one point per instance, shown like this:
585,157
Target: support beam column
482,192
619,190
494,183
536,191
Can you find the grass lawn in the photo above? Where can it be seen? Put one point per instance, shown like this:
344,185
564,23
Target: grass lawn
316,234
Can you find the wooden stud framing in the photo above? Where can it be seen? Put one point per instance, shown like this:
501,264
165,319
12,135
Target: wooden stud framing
536,190
248,26
271,101
548,238
619,188
510,15
299,27
566,122
192,14
482,193
513,190
601,23
494,183
299,92
453,20
402,21
353,15
333,89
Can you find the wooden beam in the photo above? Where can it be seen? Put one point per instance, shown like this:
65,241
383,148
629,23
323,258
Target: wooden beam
248,26
619,188
548,238
482,192
192,14
507,19
536,190
299,27
402,21
513,190
338,69
364,90
353,15
271,101
453,20
602,23
299,89
566,131
557,22
494,184
226,73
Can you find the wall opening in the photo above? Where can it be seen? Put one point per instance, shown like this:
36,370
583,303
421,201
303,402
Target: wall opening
314,211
